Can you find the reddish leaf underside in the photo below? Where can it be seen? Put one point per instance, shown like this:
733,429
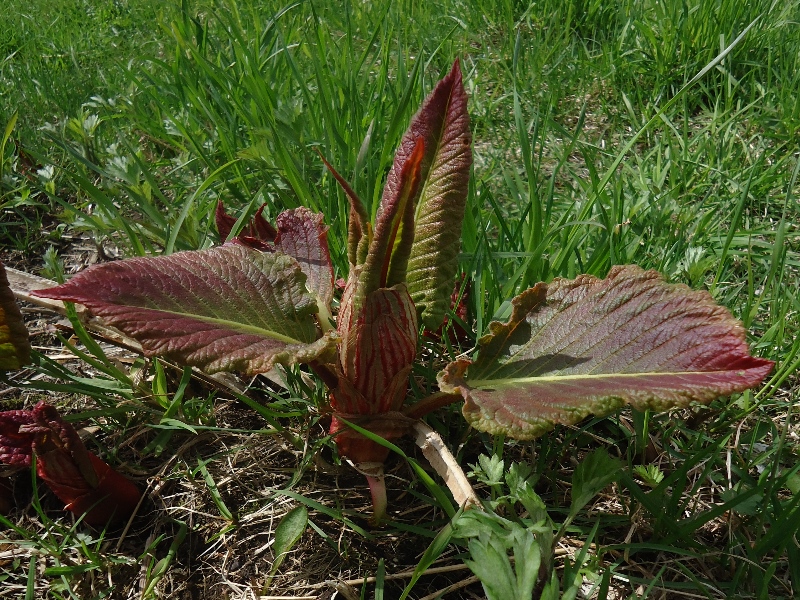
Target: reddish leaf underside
15,349
227,308
588,346
114,497
303,236
81,480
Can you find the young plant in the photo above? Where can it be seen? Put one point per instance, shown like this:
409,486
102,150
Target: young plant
84,482
570,348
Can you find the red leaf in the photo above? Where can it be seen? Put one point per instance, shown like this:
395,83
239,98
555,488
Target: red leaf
354,446
256,234
376,353
378,348
303,236
394,226
76,476
16,445
114,499
227,308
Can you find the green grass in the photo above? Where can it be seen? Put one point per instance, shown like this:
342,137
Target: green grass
54,56
156,112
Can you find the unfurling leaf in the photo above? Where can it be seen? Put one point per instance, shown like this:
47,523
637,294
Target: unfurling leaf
15,349
258,233
378,346
387,258
443,124
303,236
376,354
359,229
588,346
81,480
15,446
300,234
224,309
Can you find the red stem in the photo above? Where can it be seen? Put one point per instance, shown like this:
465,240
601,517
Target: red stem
429,404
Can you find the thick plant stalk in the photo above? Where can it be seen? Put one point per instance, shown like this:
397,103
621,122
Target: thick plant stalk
446,465
373,471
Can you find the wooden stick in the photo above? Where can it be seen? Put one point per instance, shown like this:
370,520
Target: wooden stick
445,464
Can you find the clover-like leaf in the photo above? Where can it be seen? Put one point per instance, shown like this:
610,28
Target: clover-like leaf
588,346
443,124
229,308
15,349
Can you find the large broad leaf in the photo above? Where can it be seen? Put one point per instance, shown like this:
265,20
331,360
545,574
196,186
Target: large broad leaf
15,349
443,124
587,346
227,308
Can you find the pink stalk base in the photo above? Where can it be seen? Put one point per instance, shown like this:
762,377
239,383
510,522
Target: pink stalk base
377,487
373,471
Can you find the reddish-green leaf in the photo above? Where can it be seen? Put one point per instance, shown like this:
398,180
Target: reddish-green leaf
227,308
258,233
387,258
15,349
443,123
376,353
303,236
359,229
588,346
378,348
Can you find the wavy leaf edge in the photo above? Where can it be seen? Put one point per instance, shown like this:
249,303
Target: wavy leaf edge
527,406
